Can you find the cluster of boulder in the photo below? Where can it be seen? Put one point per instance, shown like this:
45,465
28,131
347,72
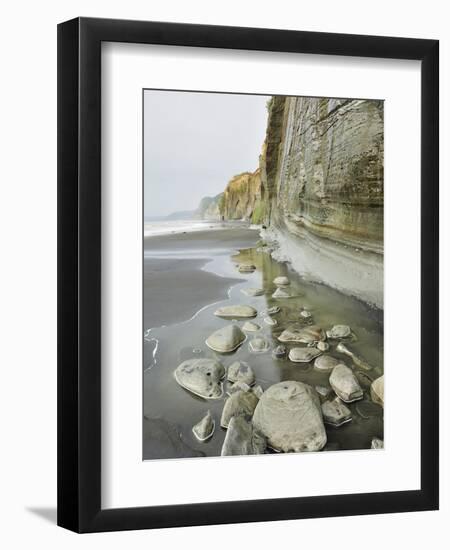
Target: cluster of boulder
289,416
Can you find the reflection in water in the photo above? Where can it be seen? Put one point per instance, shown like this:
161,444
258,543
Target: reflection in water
166,347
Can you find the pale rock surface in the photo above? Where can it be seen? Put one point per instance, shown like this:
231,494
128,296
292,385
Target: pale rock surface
270,321
326,363
323,391
204,429
259,345
201,377
239,371
302,335
236,312
236,386
303,355
226,339
258,391
342,348
281,281
242,439
250,326
246,268
377,443
239,403
280,293
290,417
323,346
339,331
252,291
335,412
345,384
377,390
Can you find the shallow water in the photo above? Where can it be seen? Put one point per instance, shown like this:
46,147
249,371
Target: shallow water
166,347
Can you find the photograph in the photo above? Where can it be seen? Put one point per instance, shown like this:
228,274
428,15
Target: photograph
228,223
262,274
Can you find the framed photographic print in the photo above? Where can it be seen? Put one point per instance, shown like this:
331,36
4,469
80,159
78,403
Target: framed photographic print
248,275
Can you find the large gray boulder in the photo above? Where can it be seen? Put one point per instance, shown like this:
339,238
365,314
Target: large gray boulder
239,371
345,384
242,439
303,355
226,339
302,335
290,417
239,403
377,390
201,377
236,312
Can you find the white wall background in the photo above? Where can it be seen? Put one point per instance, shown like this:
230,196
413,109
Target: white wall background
28,274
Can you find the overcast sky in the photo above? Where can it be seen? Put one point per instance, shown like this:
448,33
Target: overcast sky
195,142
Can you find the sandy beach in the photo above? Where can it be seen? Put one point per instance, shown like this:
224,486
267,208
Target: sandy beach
176,284
186,278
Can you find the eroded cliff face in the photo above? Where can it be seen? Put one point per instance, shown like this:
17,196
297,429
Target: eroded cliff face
319,189
322,169
241,199
322,190
209,208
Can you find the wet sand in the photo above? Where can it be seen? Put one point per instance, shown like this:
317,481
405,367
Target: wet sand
176,289
186,278
175,284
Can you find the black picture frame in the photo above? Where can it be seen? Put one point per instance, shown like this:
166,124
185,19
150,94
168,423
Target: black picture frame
79,274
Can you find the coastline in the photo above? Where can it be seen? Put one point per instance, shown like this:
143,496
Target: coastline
188,277
181,271
184,271
353,271
177,227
